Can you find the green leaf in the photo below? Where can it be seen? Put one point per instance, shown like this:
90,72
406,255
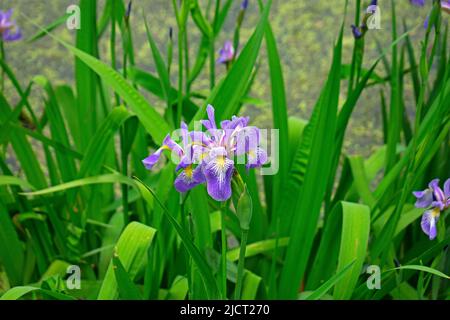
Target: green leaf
361,180
109,239
49,28
14,181
324,288
256,248
305,207
353,248
200,20
12,251
227,95
18,292
346,68
102,179
24,152
280,117
205,271
132,250
250,285
202,227
127,289
85,77
66,163
153,85
425,269
96,150
160,65
179,289
152,121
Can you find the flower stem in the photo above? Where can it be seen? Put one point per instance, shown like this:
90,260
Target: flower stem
180,73
224,253
3,58
212,64
240,274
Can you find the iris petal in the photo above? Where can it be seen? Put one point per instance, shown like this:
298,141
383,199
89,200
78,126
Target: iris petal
447,188
218,172
256,159
10,36
152,159
168,144
189,179
428,223
424,198
437,191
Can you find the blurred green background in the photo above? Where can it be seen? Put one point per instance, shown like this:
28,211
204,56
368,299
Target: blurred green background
305,32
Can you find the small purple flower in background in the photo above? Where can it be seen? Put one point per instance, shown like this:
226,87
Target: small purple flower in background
9,31
226,54
445,5
209,157
356,32
244,4
435,200
359,32
419,3
129,8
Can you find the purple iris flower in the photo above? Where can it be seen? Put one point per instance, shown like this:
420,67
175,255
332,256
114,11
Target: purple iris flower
226,54
435,200
9,31
244,4
210,157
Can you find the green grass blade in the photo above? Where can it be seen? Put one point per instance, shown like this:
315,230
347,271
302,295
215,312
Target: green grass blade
49,28
86,82
18,292
160,65
12,250
127,289
256,248
425,269
324,288
279,112
103,179
96,150
66,163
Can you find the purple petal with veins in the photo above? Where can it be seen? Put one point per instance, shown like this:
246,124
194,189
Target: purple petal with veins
218,171
188,179
428,223
424,198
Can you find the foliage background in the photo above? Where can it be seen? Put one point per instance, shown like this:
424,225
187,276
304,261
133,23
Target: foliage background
305,32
